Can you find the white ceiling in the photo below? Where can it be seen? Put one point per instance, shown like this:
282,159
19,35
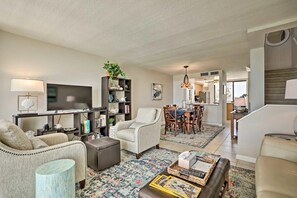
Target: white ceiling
161,35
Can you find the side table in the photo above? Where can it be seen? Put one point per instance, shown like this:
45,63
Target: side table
56,179
236,116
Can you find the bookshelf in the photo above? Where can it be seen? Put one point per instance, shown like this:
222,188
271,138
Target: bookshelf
97,122
116,97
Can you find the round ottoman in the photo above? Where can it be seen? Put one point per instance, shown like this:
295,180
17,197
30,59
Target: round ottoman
56,179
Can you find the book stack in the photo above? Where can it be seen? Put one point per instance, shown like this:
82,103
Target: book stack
101,121
174,186
87,127
127,109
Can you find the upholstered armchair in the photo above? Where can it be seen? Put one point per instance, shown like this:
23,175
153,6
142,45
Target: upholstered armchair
18,165
141,133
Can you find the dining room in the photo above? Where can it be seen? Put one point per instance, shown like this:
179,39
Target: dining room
208,89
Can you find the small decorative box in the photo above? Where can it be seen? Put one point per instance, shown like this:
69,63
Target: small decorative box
186,159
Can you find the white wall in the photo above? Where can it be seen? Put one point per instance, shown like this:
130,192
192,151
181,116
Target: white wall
294,48
256,78
279,57
21,57
253,127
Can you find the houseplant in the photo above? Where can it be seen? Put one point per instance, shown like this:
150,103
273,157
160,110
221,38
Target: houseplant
110,121
113,70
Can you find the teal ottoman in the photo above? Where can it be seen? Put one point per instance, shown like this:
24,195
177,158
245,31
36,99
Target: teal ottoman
56,179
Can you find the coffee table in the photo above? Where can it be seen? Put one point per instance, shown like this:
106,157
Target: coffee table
215,187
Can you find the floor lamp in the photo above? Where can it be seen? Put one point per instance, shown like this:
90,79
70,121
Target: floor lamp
27,103
291,93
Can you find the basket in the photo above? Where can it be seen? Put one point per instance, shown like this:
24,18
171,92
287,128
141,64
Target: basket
174,169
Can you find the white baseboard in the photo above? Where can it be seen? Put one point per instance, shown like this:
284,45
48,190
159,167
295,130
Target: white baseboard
246,158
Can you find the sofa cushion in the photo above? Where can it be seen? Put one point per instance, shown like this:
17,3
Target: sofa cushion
134,125
126,134
146,115
266,194
274,175
13,136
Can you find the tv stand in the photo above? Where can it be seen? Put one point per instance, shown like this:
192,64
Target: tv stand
93,115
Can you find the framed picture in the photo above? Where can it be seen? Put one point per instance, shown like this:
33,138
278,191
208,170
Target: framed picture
157,91
27,103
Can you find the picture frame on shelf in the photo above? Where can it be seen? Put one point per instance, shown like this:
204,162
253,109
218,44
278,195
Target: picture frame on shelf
157,91
33,106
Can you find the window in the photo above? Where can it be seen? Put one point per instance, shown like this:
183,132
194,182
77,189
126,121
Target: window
235,89
216,93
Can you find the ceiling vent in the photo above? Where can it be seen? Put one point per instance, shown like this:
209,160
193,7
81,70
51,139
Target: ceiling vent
214,73
204,74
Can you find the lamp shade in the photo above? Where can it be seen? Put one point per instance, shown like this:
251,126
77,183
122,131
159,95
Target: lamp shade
27,85
238,102
291,89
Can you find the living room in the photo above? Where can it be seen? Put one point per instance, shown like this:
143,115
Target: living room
151,41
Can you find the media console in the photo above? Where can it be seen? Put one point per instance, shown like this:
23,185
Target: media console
96,116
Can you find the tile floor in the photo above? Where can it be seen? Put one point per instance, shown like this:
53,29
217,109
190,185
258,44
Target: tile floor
222,144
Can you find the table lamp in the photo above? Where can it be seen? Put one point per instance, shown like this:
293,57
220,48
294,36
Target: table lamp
291,93
27,102
239,104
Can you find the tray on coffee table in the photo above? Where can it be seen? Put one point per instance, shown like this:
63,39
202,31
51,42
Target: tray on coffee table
192,175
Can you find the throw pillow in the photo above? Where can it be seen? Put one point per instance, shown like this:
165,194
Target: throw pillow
30,134
13,136
38,143
134,125
146,115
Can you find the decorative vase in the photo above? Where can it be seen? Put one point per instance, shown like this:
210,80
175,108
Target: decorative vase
110,98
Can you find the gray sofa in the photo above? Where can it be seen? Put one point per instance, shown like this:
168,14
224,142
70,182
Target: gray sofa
276,168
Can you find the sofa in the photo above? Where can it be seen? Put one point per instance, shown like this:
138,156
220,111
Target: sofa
20,158
276,168
141,133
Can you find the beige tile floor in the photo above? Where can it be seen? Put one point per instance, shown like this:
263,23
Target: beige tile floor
222,144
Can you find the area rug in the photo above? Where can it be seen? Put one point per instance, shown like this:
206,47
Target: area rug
200,139
125,180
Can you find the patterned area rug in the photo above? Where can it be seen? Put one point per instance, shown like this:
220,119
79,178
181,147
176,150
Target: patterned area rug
125,180
200,139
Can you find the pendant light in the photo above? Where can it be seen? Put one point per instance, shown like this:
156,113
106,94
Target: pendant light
186,84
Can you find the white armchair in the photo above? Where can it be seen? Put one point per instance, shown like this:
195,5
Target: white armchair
141,133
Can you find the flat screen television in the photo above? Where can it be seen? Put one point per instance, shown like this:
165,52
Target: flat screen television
67,97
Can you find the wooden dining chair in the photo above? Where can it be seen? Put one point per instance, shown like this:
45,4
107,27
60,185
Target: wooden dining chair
194,119
200,117
172,120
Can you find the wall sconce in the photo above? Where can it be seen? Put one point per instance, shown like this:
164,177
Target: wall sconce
27,103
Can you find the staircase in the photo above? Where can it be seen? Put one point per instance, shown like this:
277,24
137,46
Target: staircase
275,85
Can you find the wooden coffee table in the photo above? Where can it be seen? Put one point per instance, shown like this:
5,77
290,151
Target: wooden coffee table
215,187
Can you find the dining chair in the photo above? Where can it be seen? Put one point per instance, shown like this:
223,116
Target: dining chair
200,117
172,119
194,119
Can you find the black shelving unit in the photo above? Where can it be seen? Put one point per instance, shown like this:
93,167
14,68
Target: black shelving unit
78,118
118,88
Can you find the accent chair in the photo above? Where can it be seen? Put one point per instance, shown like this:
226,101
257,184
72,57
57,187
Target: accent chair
141,133
19,159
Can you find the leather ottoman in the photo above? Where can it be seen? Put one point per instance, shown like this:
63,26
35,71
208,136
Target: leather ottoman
215,187
103,153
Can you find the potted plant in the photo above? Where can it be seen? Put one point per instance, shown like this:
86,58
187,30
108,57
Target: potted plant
110,121
113,70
